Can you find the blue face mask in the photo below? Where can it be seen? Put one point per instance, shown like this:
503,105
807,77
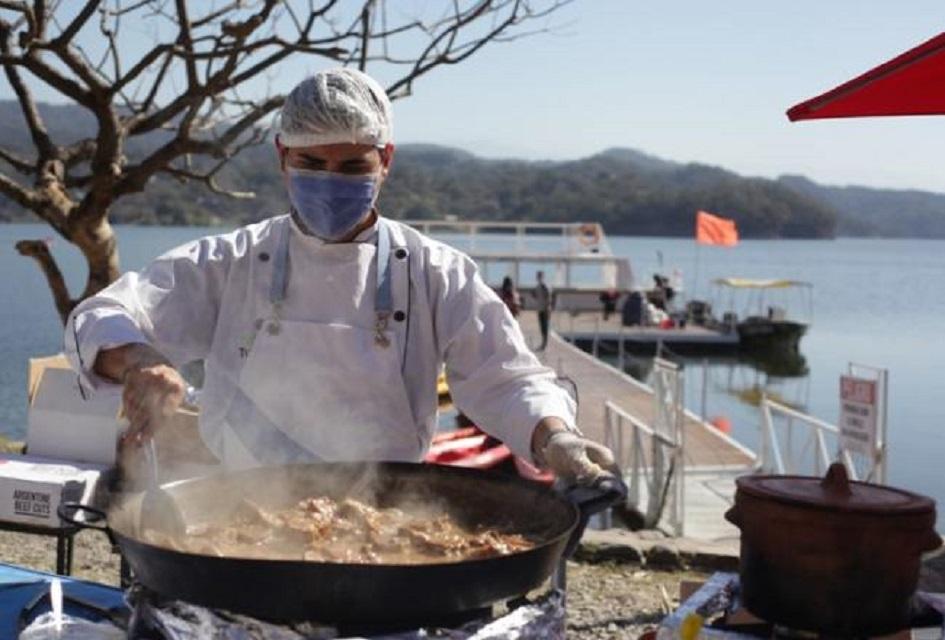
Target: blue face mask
331,205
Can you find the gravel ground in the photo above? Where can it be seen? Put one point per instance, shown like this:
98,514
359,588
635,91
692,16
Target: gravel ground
619,600
604,600
92,559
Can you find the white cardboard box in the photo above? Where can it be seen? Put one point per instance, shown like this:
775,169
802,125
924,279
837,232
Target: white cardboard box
32,487
65,425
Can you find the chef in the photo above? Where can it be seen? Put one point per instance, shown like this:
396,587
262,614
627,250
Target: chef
323,330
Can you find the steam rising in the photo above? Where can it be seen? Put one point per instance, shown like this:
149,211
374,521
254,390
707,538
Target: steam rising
336,424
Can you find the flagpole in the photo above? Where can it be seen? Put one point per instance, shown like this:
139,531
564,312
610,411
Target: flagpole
696,276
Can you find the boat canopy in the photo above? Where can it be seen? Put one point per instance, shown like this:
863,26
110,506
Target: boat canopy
747,283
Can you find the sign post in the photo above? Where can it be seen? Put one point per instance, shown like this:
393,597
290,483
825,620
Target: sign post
862,425
858,415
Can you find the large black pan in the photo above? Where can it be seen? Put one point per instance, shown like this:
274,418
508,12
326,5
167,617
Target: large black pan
283,590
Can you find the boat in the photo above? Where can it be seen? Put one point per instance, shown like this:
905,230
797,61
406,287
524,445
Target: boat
766,327
750,328
575,256
598,304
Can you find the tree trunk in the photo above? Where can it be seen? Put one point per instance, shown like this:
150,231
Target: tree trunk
96,240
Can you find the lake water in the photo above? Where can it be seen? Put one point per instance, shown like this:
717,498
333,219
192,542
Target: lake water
875,302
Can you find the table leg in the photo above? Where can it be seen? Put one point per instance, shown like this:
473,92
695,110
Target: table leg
70,548
61,553
125,573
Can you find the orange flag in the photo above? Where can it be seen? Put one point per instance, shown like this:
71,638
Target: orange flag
712,229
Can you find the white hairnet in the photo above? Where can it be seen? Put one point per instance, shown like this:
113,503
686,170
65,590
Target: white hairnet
336,106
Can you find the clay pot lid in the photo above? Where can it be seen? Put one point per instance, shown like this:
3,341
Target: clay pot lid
836,492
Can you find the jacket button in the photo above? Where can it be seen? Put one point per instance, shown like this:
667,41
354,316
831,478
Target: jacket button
399,316
401,254
264,257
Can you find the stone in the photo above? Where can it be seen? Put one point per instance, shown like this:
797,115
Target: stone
664,556
708,556
599,551
657,549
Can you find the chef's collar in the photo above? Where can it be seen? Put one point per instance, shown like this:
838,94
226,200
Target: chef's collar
368,235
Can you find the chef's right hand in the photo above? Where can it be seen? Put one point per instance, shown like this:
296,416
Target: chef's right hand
153,388
578,460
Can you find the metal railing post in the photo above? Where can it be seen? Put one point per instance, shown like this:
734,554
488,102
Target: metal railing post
705,383
634,489
766,431
884,376
621,350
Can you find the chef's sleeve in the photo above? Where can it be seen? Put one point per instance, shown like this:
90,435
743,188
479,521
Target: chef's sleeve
171,305
494,377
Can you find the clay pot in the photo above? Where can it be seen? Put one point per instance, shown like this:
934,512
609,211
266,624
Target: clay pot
830,555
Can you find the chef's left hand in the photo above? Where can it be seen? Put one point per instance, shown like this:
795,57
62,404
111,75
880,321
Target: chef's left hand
572,457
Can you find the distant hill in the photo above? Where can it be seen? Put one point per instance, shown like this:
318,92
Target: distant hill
878,212
629,191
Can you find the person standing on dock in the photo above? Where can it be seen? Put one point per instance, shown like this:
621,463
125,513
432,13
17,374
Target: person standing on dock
542,295
510,296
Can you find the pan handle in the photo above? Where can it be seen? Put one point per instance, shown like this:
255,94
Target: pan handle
68,511
590,500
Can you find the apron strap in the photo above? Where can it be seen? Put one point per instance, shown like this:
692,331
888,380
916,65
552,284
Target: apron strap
264,440
383,303
280,268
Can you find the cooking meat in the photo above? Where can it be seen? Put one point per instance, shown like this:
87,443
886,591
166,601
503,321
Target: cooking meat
321,529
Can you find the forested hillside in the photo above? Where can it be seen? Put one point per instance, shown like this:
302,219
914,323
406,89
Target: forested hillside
628,191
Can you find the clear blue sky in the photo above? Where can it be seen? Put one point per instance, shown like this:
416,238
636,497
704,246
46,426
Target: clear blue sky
693,81
688,81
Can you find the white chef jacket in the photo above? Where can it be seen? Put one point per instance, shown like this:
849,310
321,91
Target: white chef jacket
201,301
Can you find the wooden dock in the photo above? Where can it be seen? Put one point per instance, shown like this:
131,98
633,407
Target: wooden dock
598,382
711,459
590,328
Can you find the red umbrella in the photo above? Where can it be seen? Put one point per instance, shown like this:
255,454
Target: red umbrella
911,84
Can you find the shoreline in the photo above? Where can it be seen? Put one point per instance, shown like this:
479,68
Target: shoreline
225,224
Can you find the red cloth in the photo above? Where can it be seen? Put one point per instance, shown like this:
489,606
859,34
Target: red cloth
712,229
912,83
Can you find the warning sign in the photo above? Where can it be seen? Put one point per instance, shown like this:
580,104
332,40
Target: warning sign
858,414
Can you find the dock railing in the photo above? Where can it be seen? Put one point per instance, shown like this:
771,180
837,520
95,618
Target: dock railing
598,337
796,443
652,457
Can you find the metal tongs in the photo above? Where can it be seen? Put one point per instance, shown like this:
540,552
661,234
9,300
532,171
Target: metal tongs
159,511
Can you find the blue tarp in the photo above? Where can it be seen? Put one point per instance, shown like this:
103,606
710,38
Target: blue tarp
20,586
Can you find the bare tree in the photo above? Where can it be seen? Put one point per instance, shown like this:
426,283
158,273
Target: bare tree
198,86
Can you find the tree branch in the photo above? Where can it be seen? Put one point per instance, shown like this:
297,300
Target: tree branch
135,177
365,34
420,68
69,32
52,77
16,192
185,39
21,165
34,121
39,251
78,152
